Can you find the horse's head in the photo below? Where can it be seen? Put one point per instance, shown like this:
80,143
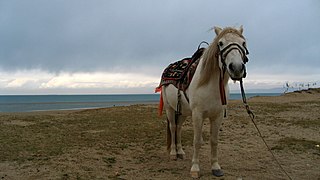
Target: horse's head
232,51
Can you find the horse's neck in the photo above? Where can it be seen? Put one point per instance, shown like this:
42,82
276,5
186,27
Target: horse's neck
215,76
208,93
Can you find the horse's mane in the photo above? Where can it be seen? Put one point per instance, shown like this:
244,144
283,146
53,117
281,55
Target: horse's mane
210,56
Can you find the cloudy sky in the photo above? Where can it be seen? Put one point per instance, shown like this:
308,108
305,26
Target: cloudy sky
117,46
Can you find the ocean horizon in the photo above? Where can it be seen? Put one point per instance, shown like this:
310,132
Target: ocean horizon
29,103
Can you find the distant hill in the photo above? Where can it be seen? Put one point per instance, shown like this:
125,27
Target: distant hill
279,90
309,91
273,90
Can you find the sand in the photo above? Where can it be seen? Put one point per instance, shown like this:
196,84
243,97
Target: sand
129,142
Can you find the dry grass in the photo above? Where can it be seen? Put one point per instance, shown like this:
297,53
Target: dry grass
298,145
127,142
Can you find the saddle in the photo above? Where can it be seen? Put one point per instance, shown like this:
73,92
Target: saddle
180,73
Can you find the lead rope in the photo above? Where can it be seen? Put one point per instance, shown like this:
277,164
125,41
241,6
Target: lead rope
251,115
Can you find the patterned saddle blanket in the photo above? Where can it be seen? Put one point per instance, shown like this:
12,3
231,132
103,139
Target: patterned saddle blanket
180,73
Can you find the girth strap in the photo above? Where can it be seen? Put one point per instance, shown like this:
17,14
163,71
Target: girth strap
178,111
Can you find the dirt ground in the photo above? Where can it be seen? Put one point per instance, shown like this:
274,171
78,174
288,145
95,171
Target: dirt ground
129,142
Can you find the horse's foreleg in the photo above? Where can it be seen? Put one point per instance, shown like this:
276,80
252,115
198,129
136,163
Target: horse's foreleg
180,152
214,132
197,128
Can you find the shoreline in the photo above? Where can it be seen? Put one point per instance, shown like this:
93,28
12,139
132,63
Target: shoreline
74,106
96,105
29,104
104,105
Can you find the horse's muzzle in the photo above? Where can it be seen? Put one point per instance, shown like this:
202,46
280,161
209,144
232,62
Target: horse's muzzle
237,71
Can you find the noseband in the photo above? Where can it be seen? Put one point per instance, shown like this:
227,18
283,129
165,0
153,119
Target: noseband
226,50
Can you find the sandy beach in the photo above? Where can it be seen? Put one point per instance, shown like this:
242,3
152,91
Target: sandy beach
129,142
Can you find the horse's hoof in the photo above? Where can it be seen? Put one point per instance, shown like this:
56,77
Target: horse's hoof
217,172
195,174
180,156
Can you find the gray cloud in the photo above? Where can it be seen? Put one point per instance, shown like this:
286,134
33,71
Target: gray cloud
144,36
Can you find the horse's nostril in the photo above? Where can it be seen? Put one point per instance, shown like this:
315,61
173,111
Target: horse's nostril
231,68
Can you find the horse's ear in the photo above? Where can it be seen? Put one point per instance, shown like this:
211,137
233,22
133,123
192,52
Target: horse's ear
240,29
217,30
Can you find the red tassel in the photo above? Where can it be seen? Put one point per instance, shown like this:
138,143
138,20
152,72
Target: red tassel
158,89
222,92
160,107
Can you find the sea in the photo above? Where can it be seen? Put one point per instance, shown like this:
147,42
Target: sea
29,103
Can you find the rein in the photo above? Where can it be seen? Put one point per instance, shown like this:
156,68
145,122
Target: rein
251,115
221,88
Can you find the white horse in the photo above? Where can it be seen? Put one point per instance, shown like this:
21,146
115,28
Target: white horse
224,58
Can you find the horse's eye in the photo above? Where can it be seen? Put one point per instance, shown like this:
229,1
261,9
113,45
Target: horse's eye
220,43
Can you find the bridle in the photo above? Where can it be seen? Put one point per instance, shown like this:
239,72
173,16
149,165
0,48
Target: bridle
223,54
234,46
226,50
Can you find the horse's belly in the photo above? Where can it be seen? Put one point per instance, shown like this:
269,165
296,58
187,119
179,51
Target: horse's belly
171,99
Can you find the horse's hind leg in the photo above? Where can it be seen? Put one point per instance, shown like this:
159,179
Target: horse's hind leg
180,152
172,148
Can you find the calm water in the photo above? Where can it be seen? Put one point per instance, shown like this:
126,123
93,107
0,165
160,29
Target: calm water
26,103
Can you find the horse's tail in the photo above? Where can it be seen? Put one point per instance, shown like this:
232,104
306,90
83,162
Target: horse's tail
160,108
168,136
